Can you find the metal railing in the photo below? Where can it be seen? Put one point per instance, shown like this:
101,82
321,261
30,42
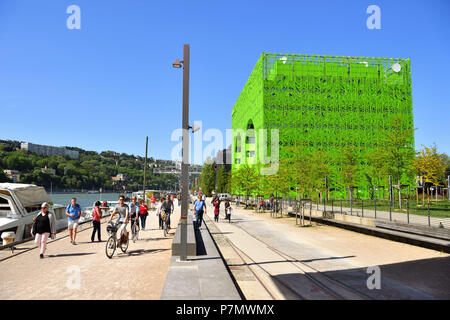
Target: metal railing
430,213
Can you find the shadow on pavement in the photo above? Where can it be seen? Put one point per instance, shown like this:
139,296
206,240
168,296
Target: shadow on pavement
412,280
70,254
154,239
139,252
200,245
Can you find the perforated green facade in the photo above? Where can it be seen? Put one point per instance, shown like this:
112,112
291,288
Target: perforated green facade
323,102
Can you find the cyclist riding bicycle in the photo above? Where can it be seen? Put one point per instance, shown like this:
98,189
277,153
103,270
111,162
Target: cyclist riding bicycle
167,209
134,211
124,213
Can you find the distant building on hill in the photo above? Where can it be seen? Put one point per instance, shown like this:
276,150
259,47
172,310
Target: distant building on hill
119,177
14,175
49,170
49,150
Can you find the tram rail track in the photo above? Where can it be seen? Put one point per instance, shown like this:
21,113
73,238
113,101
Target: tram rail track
330,287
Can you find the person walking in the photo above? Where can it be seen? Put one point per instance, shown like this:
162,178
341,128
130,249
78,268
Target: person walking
229,213
237,202
143,209
158,212
73,212
199,209
153,202
96,217
216,203
44,225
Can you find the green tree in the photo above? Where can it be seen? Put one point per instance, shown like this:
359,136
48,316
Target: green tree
376,169
223,178
249,179
3,176
350,168
398,151
207,178
430,165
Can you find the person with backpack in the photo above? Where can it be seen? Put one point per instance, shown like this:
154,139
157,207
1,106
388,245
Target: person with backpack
73,212
44,226
143,213
199,209
216,203
96,217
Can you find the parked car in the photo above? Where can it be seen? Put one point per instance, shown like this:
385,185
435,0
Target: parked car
224,196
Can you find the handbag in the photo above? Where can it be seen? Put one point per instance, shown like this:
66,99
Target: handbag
33,228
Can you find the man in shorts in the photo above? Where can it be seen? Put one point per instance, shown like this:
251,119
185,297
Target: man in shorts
124,213
73,212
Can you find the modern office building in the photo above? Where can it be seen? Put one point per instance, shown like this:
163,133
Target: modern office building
49,150
320,102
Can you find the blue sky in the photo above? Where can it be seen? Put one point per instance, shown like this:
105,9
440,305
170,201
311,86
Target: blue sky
110,84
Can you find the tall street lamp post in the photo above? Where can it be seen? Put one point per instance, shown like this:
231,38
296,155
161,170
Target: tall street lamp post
185,151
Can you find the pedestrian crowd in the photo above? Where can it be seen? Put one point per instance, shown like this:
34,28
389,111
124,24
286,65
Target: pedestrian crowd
44,224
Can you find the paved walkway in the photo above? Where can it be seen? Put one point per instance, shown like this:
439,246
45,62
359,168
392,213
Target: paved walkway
83,271
407,272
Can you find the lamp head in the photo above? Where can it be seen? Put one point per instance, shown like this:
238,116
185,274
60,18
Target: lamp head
195,128
177,63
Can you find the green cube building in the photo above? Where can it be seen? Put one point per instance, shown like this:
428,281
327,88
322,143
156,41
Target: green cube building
321,102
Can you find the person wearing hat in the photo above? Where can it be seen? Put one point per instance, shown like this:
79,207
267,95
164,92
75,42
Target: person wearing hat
44,225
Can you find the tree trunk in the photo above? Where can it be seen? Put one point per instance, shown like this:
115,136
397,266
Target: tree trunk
417,196
436,194
423,195
399,194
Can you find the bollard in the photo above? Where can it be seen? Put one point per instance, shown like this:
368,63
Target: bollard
362,208
341,206
375,207
310,223
390,209
407,210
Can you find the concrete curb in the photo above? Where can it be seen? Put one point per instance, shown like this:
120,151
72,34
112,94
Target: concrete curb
201,277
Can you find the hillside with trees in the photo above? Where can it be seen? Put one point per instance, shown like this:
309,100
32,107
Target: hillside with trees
91,171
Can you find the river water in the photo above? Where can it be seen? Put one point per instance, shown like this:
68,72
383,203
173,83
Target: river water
83,199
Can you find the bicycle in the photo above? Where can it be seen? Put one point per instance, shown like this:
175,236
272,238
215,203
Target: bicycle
111,244
135,230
